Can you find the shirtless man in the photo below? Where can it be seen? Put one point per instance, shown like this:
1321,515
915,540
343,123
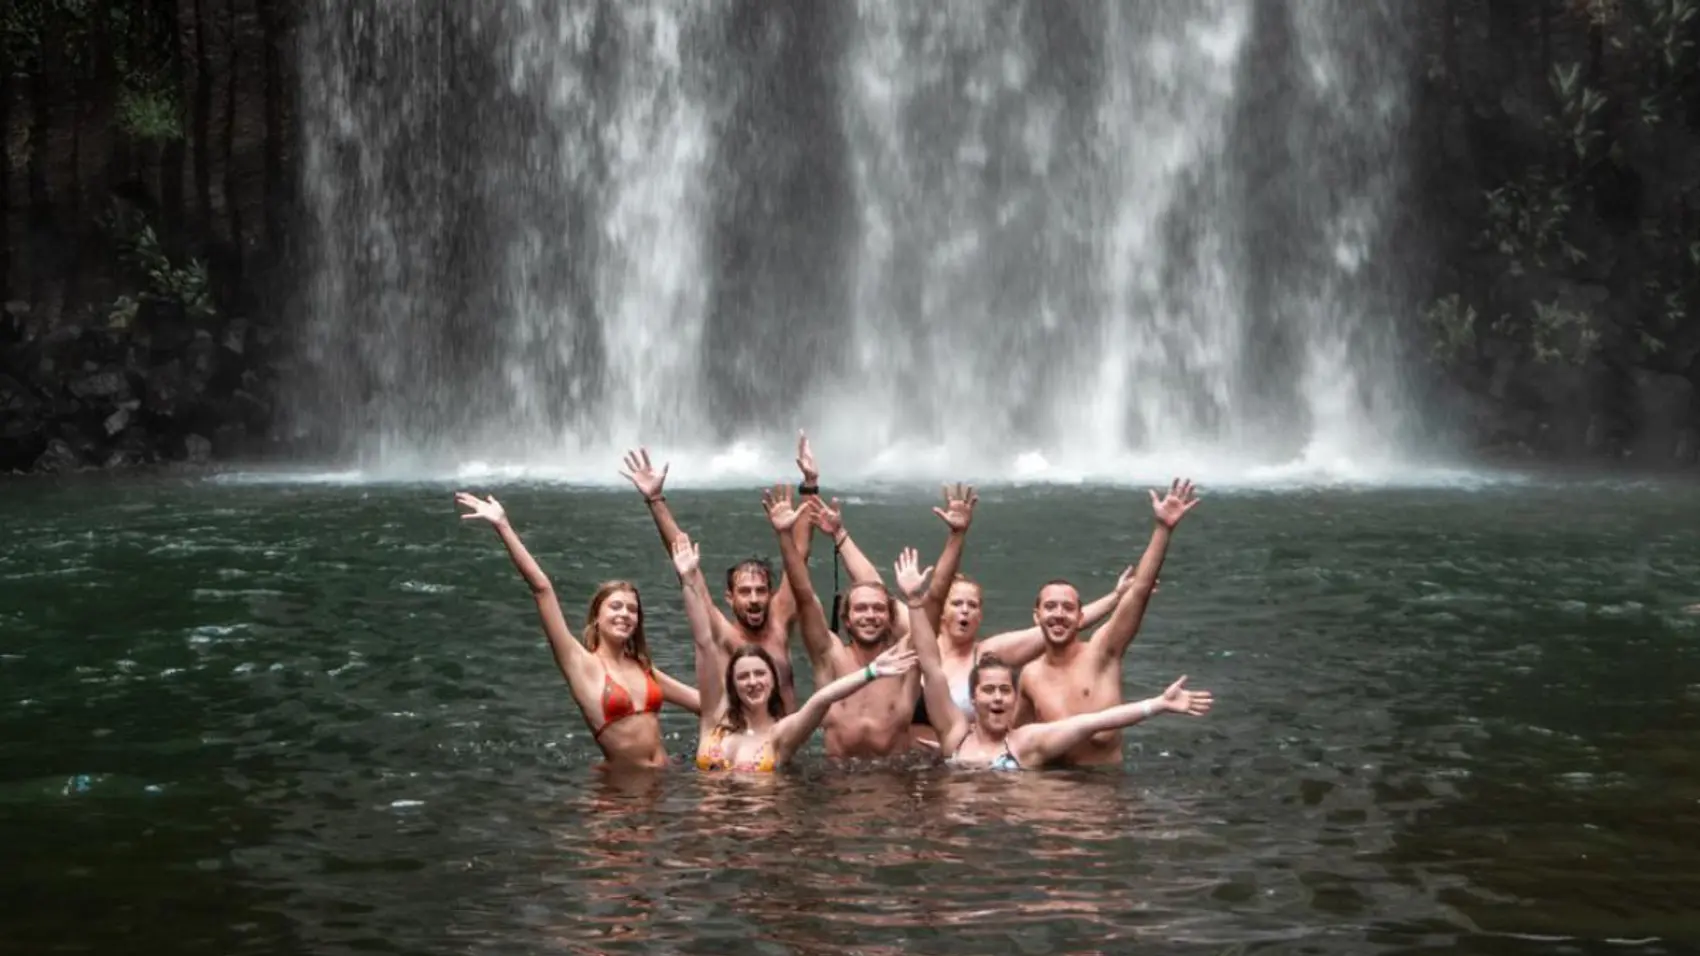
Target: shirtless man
1075,677
762,614
875,722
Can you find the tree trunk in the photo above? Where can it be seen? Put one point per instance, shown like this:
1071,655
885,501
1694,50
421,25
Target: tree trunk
232,201
171,160
5,187
272,27
202,121
39,221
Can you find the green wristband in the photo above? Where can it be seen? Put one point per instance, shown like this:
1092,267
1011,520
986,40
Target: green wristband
869,671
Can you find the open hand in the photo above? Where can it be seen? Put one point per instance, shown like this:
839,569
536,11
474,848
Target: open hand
643,475
897,659
1172,507
487,508
1178,700
830,517
911,579
1126,580
806,460
776,501
687,556
958,510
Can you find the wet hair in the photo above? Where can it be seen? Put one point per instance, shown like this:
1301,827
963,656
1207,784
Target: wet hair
1052,583
757,565
637,646
991,662
734,721
876,585
965,579
842,602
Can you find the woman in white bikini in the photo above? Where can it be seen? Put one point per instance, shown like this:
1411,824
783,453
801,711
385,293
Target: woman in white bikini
989,737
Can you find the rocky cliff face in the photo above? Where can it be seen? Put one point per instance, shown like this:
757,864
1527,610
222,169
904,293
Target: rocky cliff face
162,390
145,198
1557,144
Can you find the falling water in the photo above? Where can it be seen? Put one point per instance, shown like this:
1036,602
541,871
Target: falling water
1023,238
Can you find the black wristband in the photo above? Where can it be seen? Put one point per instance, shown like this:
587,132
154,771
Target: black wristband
809,490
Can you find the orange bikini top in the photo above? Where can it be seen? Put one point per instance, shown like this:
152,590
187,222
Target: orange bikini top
617,704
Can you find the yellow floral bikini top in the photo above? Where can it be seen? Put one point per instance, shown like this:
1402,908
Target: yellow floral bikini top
714,758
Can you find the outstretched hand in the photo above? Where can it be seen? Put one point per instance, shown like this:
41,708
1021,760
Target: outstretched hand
487,508
958,510
829,517
1179,700
897,659
1172,507
806,460
911,578
643,475
776,501
1126,580
687,556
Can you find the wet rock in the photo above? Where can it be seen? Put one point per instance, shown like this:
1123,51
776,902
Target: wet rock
197,450
59,458
108,383
117,421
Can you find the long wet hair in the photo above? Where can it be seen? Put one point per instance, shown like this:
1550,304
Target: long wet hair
637,646
734,720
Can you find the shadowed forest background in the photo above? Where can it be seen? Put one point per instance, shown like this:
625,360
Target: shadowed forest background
150,196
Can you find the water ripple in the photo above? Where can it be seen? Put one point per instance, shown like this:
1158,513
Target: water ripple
1445,722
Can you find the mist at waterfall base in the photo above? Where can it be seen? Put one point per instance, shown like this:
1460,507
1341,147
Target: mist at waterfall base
1027,241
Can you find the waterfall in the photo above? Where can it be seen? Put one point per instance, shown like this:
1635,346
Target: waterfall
1012,239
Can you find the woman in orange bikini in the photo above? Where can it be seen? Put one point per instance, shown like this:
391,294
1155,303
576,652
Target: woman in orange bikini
617,687
743,725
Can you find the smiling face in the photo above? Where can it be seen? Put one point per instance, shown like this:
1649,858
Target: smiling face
749,592
867,614
1057,612
962,613
616,620
994,698
753,680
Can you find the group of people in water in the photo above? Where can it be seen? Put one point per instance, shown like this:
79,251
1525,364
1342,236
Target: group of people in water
908,670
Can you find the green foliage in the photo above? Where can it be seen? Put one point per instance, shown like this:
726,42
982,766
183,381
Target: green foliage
141,41
1452,328
1559,333
1611,127
1524,221
188,286
149,115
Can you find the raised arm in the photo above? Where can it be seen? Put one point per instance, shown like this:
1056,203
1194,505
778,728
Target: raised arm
1113,638
790,732
1038,744
649,482
942,712
577,665
783,607
677,692
957,514
687,560
817,637
1021,647
830,519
